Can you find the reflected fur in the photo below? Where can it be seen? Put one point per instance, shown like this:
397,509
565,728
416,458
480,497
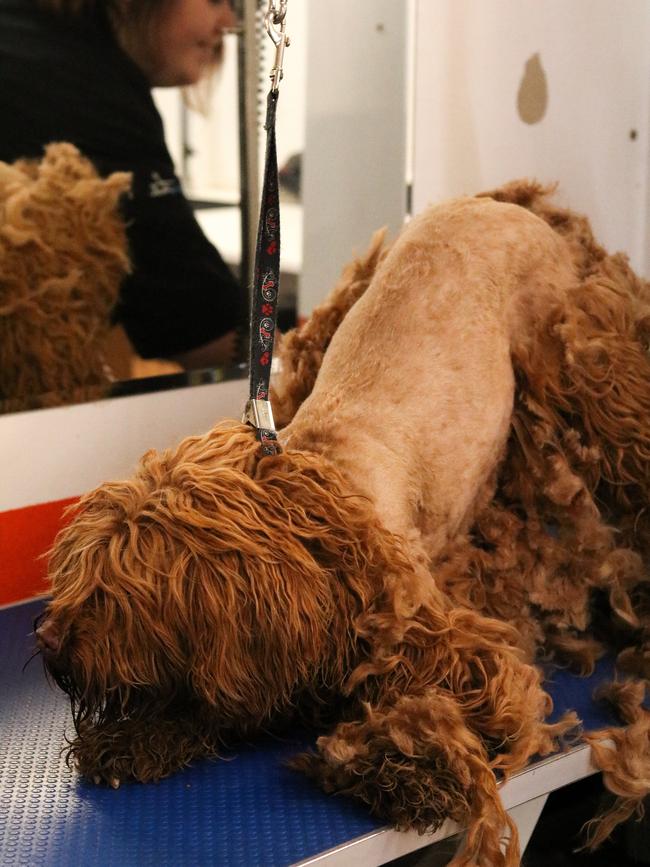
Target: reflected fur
392,576
64,254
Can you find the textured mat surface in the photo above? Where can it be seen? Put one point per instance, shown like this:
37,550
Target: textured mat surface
248,811
241,813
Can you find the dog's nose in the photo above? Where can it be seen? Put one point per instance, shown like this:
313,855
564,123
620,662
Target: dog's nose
47,636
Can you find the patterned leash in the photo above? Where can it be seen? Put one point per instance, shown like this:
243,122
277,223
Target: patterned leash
266,282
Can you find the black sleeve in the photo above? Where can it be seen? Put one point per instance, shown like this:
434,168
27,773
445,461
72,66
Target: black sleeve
181,293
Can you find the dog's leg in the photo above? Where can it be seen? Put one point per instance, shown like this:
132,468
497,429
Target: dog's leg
416,763
481,664
145,750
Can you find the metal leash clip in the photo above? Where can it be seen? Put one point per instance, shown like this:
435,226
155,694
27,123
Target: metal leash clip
259,414
275,23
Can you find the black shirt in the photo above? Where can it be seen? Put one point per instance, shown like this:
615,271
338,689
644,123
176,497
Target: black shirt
66,79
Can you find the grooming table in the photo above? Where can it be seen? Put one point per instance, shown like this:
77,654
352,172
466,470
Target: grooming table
245,812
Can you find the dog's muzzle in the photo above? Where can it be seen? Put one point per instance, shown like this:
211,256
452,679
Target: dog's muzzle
48,638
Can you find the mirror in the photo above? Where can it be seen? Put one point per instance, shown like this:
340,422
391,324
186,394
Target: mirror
478,118
202,130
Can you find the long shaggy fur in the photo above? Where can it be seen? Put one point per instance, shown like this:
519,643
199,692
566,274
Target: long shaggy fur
462,493
64,253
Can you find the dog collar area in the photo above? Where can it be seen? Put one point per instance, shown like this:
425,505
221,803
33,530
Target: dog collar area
259,414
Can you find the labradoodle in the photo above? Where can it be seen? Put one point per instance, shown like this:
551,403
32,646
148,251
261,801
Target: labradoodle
462,492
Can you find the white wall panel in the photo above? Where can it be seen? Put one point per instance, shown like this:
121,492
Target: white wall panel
471,57
52,454
355,154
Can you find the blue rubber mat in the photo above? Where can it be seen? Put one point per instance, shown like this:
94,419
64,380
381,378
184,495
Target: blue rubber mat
245,812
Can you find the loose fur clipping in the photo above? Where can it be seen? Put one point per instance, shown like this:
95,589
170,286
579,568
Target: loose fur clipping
63,251
462,495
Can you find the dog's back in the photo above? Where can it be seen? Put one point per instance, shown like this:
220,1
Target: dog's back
414,397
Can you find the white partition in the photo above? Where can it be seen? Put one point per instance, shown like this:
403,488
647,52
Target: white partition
552,89
355,154
52,454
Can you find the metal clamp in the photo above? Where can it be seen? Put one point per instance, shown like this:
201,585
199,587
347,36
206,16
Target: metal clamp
259,414
275,24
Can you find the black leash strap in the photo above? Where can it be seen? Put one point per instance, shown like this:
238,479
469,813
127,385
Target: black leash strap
266,285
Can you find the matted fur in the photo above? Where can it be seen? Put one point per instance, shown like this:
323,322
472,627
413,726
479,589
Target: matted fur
391,576
63,254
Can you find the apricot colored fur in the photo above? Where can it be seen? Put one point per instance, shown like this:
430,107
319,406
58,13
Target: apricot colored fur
464,475
64,253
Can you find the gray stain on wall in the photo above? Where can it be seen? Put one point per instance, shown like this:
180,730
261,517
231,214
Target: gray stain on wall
532,97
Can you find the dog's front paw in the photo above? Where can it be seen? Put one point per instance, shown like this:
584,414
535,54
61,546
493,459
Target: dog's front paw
112,753
114,782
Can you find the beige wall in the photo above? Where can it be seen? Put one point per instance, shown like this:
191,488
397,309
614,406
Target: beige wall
552,89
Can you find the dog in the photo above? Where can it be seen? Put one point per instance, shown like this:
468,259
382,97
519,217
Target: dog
463,470
64,254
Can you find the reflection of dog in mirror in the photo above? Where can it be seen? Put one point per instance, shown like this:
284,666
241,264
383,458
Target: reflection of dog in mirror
64,254
468,471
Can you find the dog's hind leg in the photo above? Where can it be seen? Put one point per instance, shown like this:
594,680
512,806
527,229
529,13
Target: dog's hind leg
416,764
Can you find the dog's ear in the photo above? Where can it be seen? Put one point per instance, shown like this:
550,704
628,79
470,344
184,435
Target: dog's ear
415,763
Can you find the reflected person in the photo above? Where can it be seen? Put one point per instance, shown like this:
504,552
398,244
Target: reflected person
82,71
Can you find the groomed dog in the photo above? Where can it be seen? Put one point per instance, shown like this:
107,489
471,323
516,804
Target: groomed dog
465,465
64,253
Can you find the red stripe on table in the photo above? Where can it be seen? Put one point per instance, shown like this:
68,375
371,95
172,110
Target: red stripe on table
25,535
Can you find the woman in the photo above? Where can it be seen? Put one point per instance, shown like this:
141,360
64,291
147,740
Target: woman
82,71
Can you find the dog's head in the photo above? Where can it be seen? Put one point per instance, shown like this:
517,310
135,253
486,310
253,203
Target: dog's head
201,593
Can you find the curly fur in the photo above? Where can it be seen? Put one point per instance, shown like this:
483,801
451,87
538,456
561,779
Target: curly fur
393,575
64,254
